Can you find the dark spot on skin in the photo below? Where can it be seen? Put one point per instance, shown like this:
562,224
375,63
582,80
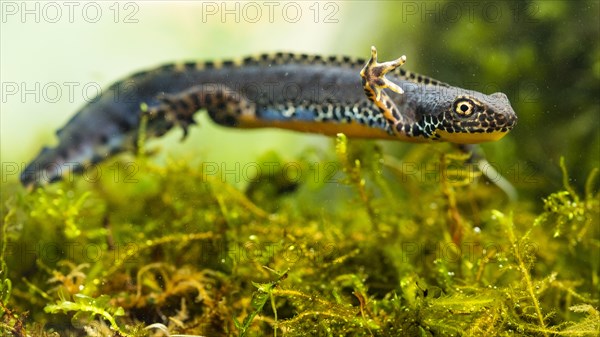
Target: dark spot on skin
402,72
184,106
229,120
96,158
103,138
426,80
264,57
54,178
136,76
167,67
114,150
412,76
62,153
228,63
249,60
420,111
332,59
209,64
419,79
347,59
337,113
195,102
189,66
123,125
280,55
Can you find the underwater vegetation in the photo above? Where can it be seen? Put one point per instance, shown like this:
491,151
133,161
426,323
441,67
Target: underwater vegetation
355,240
369,248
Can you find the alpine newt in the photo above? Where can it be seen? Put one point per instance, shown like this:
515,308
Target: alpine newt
290,91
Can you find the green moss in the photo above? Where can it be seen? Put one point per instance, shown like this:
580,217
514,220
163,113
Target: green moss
382,248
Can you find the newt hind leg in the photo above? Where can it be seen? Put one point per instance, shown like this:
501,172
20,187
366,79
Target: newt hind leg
224,106
374,81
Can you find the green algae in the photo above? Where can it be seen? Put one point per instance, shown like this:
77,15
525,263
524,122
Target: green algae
379,248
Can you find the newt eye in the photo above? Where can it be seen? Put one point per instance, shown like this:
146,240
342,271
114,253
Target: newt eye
464,107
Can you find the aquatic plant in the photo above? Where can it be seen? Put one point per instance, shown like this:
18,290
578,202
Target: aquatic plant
381,248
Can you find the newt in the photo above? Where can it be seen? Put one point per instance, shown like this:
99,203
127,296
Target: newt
300,92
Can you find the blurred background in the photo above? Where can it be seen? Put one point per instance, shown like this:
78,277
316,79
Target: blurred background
544,55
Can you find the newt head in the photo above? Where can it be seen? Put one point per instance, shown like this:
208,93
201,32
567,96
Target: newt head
464,117
471,119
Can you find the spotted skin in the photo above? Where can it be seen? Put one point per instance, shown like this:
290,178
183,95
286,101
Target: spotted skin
300,92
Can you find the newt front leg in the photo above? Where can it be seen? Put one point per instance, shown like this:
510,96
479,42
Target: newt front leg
374,81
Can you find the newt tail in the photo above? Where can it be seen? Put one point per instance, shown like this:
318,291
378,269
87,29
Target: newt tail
290,91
